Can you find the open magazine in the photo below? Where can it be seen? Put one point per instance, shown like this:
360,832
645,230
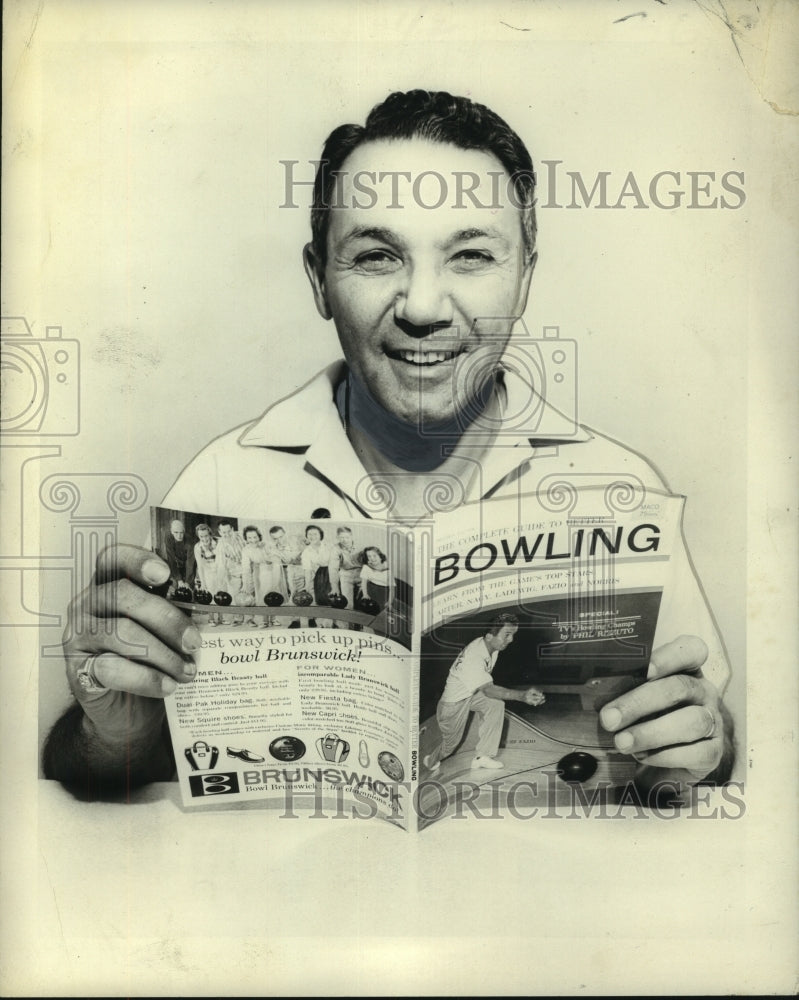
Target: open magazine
335,653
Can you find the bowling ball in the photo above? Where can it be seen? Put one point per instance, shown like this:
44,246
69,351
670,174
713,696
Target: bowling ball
222,598
337,601
368,606
287,748
273,599
391,765
203,596
302,598
182,594
577,767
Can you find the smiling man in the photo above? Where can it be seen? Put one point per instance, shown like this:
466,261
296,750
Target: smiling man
410,288
424,301
422,251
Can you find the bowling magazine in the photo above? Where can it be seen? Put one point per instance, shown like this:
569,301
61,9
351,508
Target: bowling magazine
344,664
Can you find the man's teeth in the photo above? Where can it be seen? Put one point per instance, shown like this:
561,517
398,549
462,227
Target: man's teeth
426,357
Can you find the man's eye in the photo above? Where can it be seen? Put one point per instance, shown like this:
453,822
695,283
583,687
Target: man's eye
472,260
377,261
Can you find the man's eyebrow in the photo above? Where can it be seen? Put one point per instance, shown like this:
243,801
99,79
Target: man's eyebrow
474,234
378,233
384,235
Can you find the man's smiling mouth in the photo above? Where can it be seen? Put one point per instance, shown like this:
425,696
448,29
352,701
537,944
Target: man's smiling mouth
424,358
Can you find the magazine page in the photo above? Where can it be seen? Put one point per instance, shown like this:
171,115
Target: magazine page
554,596
301,700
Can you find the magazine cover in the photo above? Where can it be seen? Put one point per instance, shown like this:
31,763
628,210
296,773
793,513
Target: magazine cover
310,649
560,594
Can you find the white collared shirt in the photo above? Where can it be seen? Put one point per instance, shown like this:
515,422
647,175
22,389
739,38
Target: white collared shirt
471,671
297,458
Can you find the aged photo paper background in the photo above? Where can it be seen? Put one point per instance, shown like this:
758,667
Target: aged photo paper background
142,194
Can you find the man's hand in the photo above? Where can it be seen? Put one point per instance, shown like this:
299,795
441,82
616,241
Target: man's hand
532,696
673,722
140,647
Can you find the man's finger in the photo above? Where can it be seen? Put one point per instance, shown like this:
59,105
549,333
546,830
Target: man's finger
684,725
651,698
686,652
130,641
698,759
119,562
122,599
117,674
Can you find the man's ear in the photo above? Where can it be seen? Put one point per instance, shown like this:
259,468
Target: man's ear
316,277
524,287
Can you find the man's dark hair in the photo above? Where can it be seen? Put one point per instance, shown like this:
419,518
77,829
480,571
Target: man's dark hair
500,622
433,115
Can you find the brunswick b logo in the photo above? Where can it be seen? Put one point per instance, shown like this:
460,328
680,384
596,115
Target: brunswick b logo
213,784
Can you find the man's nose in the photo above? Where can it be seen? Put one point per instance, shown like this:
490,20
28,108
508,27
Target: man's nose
424,302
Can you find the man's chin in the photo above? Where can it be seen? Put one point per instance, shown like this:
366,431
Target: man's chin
440,394
420,399
439,419
430,412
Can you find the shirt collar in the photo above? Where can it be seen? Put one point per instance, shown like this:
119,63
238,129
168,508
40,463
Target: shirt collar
296,421
308,422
